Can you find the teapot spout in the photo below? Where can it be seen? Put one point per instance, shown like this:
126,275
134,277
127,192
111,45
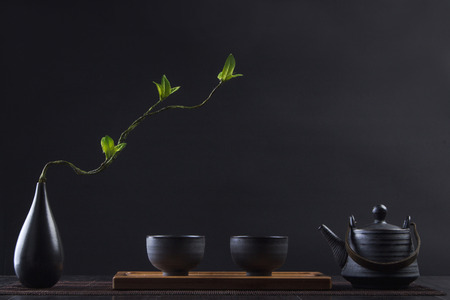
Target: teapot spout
337,245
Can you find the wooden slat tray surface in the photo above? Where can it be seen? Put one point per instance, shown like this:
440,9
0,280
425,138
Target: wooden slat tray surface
221,281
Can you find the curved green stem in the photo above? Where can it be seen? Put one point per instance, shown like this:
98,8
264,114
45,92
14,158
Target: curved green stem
123,137
149,112
78,171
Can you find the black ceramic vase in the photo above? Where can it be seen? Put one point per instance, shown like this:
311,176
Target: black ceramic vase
38,257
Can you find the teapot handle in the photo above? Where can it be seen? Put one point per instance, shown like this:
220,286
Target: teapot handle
383,266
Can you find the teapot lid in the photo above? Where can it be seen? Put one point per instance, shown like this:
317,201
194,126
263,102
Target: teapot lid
379,213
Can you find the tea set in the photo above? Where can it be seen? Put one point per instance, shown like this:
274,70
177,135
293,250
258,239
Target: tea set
378,256
175,255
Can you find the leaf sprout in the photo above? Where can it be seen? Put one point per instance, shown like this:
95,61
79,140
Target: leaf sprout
228,69
164,89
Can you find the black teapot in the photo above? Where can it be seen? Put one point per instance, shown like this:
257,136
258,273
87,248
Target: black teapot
379,255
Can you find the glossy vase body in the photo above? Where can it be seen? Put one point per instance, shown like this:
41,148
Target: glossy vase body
38,257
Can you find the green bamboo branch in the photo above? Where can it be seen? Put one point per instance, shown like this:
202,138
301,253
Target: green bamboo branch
164,89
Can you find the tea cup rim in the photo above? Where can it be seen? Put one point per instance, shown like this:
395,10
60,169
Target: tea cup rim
259,237
175,236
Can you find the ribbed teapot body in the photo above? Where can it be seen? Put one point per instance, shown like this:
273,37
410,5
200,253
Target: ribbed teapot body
381,246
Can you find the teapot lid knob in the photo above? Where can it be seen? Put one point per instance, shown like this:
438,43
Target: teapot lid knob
379,213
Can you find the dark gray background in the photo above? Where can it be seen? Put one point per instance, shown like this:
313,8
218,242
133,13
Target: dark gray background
344,105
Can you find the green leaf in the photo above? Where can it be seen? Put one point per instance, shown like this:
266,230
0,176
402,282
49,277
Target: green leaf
232,64
228,69
166,84
108,148
164,88
159,87
225,68
174,89
120,147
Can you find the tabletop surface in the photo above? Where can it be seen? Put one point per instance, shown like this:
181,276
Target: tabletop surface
441,283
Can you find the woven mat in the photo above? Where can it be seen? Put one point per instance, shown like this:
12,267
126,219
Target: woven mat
104,288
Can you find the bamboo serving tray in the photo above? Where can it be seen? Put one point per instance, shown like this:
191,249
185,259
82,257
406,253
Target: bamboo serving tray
221,281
